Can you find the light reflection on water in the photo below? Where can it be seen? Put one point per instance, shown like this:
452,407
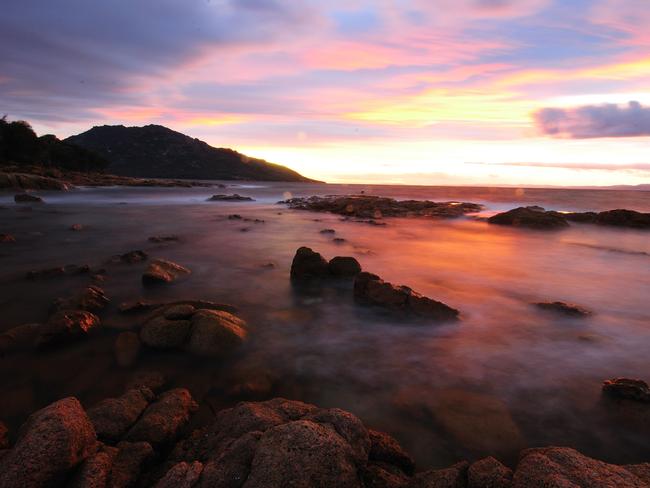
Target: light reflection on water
504,377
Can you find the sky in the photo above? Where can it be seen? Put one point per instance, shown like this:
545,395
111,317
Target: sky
442,92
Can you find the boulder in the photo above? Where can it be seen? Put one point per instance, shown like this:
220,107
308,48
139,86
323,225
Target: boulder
162,420
162,333
566,467
308,264
344,267
51,443
27,198
113,417
488,473
95,471
127,348
181,475
531,217
162,271
629,389
179,312
129,461
563,308
91,299
65,326
386,449
370,289
452,477
230,198
216,333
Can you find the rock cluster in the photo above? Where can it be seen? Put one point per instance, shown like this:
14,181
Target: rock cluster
535,217
308,264
140,439
374,207
201,331
370,289
230,198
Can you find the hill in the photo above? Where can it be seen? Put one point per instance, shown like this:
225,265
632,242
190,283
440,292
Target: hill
154,151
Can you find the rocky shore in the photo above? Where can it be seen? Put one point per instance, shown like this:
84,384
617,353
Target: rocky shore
40,178
535,217
142,438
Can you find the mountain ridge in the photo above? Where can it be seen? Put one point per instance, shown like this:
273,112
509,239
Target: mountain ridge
156,151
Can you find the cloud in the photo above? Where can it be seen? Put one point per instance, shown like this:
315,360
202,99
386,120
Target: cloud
593,121
578,166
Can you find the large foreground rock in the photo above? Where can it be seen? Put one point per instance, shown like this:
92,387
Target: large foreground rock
564,467
52,442
112,417
308,264
370,289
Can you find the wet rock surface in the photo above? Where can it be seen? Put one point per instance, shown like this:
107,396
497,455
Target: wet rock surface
90,299
531,217
112,417
163,271
65,326
374,207
370,289
309,265
614,218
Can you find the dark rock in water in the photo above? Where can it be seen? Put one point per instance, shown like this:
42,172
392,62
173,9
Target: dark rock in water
129,461
4,436
65,326
369,289
216,333
624,218
488,473
113,417
338,240
564,308
162,420
328,231
452,477
68,270
627,388
133,257
566,467
19,338
235,217
127,348
162,271
51,442
91,299
7,238
344,267
372,207
137,306
385,449
171,238
181,475
308,264
581,217
230,198
27,198
530,217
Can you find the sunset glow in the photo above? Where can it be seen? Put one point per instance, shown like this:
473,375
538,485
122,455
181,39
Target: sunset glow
527,92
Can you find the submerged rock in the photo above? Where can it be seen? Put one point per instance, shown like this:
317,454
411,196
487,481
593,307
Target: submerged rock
564,308
67,270
133,257
162,271
65,326
531,217
563,466
91,299
27,198
169,238
230,198
52,442
19,338
369,289
627,388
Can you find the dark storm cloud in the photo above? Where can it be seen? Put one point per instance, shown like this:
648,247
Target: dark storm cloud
52,52
592,121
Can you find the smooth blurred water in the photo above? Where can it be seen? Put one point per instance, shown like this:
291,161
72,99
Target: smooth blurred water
506,376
